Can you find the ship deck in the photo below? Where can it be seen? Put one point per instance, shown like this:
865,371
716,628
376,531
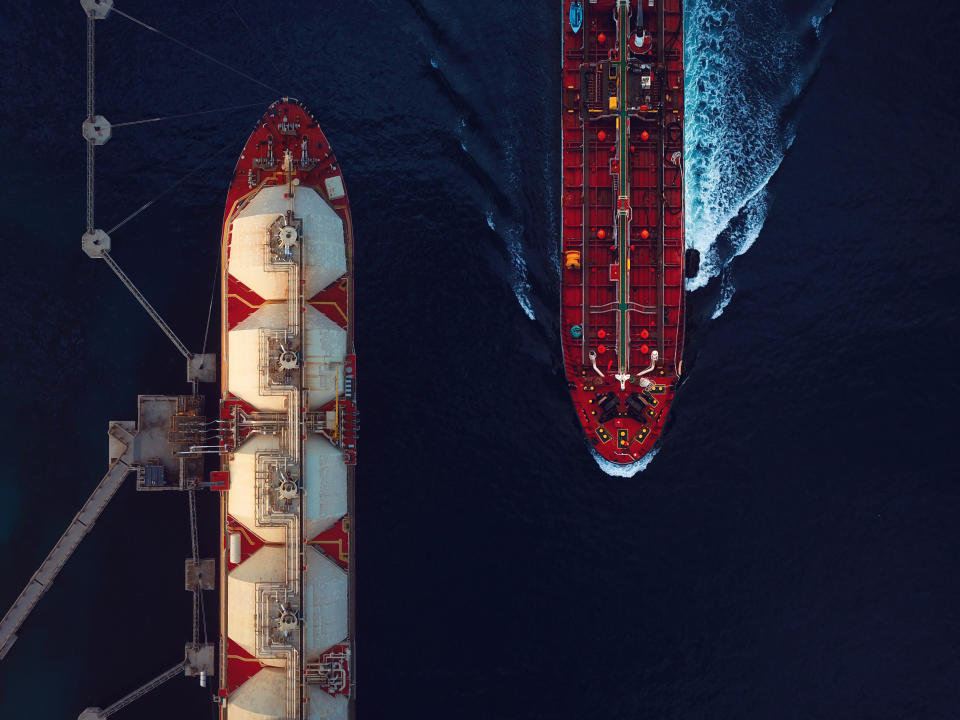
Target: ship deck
288,427
622,254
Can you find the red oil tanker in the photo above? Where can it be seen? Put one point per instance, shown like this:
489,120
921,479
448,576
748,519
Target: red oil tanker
623,258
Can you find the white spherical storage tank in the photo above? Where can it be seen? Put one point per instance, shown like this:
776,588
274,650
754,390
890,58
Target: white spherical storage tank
324,604
243,356
324,486
324,348
265,565
323,706
262,697
242,495
322,243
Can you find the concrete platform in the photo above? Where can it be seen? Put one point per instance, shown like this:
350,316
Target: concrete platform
82,523
95,243
152,444
97,131
200,659
202,367
97,9
202,575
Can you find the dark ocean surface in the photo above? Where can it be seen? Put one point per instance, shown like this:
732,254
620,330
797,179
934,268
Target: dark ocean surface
792,549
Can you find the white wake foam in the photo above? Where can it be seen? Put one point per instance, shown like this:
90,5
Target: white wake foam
521,286
817,21
744,64
726,295
513,237
510,231
630,470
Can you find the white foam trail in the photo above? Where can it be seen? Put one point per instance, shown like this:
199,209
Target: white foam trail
513,236
734,134
521,286
512,239
726,295
522,291
817,21
755,211
513,231
627,471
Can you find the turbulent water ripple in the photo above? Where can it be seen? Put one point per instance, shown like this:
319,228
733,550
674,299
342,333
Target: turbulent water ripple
629,470
745,63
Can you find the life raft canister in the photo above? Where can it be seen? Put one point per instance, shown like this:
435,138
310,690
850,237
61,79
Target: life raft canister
576,15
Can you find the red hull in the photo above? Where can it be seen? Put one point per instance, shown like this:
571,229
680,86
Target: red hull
623,236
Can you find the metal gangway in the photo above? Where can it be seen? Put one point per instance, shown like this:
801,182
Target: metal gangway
95,713
150,447
81,524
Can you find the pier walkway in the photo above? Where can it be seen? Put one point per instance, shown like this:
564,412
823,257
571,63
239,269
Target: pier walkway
95,713
122,448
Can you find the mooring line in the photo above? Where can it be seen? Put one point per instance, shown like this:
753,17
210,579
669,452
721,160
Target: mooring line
131,216
213,290
198,52
280,74
190,114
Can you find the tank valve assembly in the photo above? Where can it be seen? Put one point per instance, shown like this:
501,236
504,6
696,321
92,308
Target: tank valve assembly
288,359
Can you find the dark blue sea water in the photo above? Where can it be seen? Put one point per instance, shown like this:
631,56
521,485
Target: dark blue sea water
792,549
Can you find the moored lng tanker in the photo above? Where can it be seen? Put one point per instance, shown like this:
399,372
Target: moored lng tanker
623,258
289,427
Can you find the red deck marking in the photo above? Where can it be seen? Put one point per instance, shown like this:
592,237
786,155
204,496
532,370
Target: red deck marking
241,666
232,400
241,301
250,542
332,301
335,542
